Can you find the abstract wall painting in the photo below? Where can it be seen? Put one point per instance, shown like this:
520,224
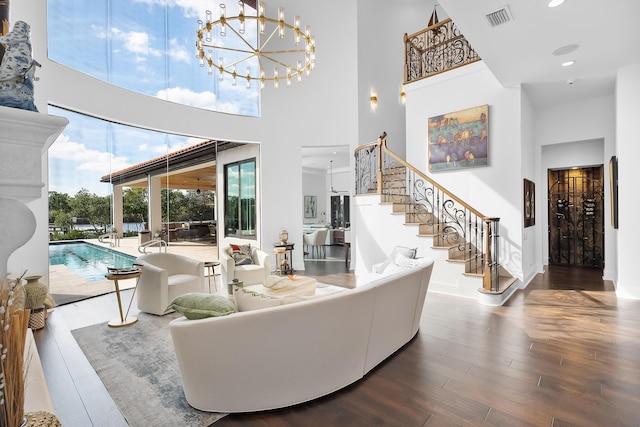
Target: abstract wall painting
459,139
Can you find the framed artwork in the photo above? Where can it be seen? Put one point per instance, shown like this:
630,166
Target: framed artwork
459,139
529,207
309,206
613,186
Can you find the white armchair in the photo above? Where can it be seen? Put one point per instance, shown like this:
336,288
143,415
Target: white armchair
164,277
316,240
250,274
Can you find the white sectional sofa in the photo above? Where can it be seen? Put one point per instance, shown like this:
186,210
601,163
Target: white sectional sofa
288,354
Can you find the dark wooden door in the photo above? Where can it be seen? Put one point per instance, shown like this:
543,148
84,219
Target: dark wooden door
576,217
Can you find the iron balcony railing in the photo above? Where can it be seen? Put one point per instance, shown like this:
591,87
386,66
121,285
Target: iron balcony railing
470,237
436,49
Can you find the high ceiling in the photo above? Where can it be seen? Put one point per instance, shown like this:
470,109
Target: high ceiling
521,51
320,158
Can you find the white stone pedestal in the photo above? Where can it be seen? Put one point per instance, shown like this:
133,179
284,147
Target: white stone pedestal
24,138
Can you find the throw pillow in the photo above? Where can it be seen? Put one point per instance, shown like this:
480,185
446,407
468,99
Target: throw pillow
199,305
407,252
398,250
249,300
390,269
241,254
400,263
404,262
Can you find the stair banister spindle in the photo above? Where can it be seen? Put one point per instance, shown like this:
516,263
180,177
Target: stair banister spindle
410,185
379,149
491,280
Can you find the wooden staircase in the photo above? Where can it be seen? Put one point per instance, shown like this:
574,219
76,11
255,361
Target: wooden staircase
469,237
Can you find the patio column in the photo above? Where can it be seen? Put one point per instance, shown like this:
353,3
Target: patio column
155,204
117,209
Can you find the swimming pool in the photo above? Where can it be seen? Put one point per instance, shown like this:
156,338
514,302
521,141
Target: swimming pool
87,260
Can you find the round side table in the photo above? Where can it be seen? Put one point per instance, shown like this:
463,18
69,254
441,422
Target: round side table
211,271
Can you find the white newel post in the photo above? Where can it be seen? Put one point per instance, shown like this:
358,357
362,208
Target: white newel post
24,138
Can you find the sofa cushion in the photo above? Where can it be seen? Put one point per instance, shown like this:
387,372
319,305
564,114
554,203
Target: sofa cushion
241,254
178,279
197,305
248,300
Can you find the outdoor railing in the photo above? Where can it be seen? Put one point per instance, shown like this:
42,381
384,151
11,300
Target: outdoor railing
470,237
437,48
153,243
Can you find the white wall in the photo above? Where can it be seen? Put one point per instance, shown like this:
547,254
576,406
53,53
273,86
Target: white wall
582,134
314,183
382,26
628,150
494,190
531,260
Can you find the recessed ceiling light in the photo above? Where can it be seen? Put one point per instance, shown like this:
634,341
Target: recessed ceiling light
568,63
571,81
555,3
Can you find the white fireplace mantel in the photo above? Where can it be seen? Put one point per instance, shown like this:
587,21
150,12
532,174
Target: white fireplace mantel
24,138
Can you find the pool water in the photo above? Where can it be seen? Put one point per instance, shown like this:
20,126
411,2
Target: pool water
87,260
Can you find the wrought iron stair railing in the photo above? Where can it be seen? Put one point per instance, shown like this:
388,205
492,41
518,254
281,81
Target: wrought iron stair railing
468,235
438,48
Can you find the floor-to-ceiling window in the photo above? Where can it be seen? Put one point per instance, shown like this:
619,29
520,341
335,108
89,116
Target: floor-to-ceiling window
147,47
100,177
240,203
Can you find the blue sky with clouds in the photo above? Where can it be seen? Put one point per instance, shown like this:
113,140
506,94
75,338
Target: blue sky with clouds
143,45
90,148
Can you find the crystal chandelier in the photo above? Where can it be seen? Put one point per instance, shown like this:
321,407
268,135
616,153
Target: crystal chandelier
264,47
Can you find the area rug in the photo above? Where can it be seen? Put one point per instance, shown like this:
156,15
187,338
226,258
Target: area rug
138,366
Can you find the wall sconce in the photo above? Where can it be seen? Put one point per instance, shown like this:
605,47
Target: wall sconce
403,94
374,100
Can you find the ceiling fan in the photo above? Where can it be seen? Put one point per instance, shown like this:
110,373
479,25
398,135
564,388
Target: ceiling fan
334,191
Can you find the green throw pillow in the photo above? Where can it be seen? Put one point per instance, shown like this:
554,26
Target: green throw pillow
199,305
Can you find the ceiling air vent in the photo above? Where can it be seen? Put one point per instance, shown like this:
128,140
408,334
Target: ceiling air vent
499,17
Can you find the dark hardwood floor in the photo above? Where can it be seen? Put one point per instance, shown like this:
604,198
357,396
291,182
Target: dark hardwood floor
563,352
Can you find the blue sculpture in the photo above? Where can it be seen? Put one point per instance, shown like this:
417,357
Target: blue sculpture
17,69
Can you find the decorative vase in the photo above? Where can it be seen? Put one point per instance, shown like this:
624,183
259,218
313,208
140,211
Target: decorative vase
284,235
35,296
36,292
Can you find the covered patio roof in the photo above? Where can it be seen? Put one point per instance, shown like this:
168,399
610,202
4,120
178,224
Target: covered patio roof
186,169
